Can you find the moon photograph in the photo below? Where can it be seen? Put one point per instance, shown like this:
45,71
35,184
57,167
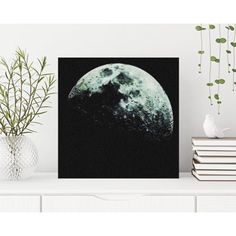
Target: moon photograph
118,118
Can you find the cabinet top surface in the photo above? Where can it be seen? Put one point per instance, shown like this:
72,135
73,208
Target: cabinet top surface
49,184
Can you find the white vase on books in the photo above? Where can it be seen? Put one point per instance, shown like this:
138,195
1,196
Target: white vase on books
211,129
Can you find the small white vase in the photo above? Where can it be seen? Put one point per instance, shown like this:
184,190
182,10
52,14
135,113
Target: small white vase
18,158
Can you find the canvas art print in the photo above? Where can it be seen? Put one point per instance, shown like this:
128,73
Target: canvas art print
118,118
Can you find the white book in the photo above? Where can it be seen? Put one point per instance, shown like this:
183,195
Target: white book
214,148
214,177
213,166
216,172
197,141
217,153
211,159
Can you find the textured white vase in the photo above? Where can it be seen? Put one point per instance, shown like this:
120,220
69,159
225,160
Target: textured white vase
18,158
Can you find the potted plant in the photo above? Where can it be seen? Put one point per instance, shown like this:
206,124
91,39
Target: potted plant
25,89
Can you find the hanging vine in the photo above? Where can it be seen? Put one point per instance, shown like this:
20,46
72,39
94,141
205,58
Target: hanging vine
233,44
201,51
210,84
214,85
219,81
228,51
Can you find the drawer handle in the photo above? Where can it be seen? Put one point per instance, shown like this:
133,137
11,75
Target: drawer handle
118,197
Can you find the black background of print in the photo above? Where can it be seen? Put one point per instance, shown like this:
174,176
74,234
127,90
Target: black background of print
90,151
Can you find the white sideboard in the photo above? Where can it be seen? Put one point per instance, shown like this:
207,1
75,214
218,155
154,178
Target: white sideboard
44,192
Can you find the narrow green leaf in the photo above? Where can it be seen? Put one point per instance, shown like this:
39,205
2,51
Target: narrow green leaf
40,113
231,27
234,70
228,51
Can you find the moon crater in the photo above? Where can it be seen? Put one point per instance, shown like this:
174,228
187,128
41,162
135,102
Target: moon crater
126,97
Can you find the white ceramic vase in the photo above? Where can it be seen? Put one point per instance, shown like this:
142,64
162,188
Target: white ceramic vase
18,158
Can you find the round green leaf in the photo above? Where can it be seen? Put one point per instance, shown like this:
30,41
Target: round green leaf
234,70
217,60
213,58
233,44
210,84
217,81
218,102
198,28
228,51
222,40
209,97
211,27
216,96
221,81
231,27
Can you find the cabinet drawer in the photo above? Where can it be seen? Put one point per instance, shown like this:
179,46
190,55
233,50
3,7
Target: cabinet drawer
20,203
216,203
118,203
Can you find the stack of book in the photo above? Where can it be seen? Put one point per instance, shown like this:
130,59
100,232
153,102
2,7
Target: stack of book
214,159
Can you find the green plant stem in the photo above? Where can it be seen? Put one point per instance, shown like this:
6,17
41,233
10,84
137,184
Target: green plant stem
21,94
15,101
234,40
228,62
8,118
25,60
200,63
210,64
47,90
218,87
3,113
24,97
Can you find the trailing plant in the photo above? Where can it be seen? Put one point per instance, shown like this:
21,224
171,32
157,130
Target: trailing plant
219,80
215,61
200,52
210,84
25,89
233,44
228,51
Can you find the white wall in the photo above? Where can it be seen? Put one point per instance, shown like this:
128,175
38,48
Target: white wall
180,41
